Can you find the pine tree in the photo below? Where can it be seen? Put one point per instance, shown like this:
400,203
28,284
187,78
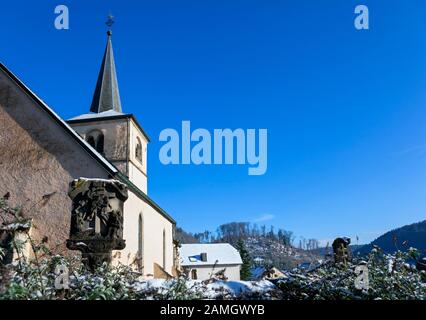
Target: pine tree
245,272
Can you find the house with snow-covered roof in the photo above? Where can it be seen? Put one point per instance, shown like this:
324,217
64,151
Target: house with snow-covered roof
202,260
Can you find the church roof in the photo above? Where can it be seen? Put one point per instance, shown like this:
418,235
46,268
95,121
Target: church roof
109,167
107,96
94,116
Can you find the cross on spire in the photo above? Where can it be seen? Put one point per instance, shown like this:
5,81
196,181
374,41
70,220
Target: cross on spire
110,21
106,96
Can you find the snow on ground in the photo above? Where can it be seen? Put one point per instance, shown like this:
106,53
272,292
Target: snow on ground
239,288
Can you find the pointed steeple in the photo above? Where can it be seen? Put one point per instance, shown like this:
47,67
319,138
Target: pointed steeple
107,96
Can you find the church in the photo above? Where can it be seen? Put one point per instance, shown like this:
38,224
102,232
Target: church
40,154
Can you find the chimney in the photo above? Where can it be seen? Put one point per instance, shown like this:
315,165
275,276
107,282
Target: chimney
204,256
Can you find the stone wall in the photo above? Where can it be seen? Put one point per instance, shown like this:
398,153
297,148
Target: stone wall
38,159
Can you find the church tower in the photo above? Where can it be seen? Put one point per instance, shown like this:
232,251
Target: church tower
114,134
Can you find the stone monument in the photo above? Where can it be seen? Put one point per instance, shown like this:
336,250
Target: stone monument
96,219
341,250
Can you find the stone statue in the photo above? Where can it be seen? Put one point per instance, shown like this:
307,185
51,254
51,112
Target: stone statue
341,250
96,219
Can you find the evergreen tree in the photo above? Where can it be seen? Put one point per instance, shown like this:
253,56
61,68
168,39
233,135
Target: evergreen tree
245,273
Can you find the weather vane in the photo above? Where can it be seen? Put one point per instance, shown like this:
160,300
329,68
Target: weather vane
110,22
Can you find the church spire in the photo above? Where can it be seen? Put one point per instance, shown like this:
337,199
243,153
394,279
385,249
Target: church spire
107,96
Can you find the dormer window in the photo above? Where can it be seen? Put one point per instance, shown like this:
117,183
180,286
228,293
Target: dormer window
96,139
138,150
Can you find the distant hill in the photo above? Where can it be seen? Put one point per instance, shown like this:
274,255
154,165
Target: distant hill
185,237
276,254
276,249
267,247
413,235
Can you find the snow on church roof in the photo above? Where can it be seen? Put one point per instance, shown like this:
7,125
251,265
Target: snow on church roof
92,115
217,253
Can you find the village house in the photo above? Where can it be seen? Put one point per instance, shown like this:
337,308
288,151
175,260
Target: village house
40,154
201,261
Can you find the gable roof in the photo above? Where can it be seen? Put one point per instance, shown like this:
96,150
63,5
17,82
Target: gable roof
217,253
109,167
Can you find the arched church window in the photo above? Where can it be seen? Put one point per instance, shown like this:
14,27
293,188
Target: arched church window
140,242
96,139
138,151
164,249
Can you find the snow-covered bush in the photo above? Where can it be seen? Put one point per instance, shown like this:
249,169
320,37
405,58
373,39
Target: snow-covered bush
29,281
390,277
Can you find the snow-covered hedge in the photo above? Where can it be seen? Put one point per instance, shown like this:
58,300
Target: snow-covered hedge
390,277
112,283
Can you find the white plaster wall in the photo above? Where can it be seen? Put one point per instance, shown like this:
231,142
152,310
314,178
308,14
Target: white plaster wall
153,225
138,178
232,272
138,169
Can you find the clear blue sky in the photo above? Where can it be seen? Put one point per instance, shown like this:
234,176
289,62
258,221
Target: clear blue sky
345,109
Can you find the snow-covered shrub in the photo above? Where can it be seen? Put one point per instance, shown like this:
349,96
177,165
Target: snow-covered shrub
390,278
